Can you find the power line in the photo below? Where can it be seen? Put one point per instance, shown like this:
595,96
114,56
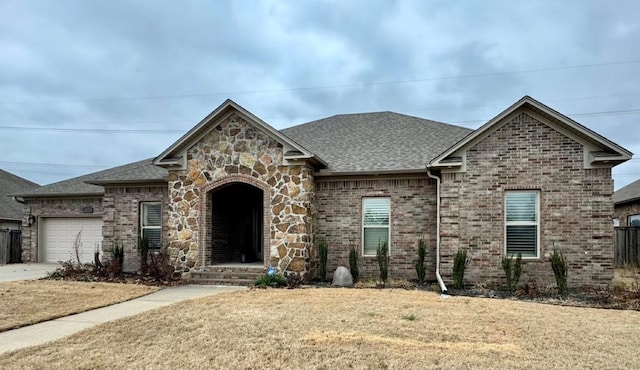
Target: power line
326,87
166,131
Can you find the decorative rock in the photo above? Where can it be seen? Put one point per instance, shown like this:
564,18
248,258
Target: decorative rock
342,277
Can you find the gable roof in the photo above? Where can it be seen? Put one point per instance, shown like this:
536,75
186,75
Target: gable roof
608,150
10,183
628,193
173,156
382,142
86,185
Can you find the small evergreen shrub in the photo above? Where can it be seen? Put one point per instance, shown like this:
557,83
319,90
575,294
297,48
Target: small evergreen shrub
560,268
143,249
323,249
353,263
460,263
98,268
512,271
420,268
275,281
116,263
383,262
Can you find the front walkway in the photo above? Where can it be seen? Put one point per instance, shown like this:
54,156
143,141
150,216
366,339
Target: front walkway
55,329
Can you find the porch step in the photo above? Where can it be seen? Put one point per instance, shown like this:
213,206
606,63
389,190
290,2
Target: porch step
225,275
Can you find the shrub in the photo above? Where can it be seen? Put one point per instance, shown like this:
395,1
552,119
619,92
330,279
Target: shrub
294,280
383,262
420,268
274,280
460,263
160,265
98,268
560,268
143,249
353,263
323,250
512,271
115,265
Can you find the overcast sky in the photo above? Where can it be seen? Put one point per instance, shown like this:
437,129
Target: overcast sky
87,85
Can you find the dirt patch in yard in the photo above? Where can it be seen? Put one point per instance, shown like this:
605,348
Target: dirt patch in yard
32,301
317,328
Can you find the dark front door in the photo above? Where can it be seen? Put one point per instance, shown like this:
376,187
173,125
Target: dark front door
236,222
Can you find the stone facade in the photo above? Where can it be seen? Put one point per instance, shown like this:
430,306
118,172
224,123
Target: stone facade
235,151
121,218
52,207
413,216
575,206
622,211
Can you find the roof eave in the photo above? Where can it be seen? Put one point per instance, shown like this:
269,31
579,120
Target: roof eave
370,172
165,158
121,182
527,100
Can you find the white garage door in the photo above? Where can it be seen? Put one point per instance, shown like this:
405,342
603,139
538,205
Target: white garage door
59,237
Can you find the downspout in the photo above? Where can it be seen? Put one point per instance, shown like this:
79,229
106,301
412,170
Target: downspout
443,288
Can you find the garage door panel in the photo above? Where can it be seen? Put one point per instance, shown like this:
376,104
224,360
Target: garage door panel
59,238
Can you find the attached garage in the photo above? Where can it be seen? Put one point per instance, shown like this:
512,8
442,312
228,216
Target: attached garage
59,235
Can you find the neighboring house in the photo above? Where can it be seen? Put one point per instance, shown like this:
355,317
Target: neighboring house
233,189
11,216
627,205
11,211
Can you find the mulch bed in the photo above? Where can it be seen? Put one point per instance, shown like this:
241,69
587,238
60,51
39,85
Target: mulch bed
72,272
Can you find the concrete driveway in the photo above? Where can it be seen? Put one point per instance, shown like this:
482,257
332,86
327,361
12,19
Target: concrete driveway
26,271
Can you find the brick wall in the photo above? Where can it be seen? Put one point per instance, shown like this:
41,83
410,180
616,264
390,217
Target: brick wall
575,206
413,216
121,219
51,207
625,210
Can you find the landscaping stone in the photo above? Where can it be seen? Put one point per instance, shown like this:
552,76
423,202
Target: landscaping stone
342,277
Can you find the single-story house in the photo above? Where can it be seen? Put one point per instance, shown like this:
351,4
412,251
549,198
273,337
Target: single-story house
626,203
11,213
233,189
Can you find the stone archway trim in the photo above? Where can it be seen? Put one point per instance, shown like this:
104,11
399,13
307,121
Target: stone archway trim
266,209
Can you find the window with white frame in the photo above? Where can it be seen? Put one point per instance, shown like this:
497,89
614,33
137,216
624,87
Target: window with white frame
375,224
522,223
633,220
151,223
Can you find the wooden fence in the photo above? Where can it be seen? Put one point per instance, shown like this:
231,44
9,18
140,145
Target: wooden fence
10,246
627,243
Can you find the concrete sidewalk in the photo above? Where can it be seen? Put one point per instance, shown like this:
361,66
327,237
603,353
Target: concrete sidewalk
55,329
26,271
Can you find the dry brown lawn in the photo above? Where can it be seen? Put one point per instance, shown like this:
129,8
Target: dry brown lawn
349,328
32,301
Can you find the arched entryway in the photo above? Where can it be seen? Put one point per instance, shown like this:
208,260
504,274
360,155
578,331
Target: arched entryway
236,224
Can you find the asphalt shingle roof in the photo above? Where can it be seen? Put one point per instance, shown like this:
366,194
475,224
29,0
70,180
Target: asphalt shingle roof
366,142
627,193
10,183
370,142
141,171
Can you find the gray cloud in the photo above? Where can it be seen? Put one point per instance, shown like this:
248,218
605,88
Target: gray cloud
164,64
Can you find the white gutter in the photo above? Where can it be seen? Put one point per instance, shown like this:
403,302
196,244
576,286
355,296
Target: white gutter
443,288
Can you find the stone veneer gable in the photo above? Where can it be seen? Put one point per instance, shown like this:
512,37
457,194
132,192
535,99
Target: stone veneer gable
237,151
